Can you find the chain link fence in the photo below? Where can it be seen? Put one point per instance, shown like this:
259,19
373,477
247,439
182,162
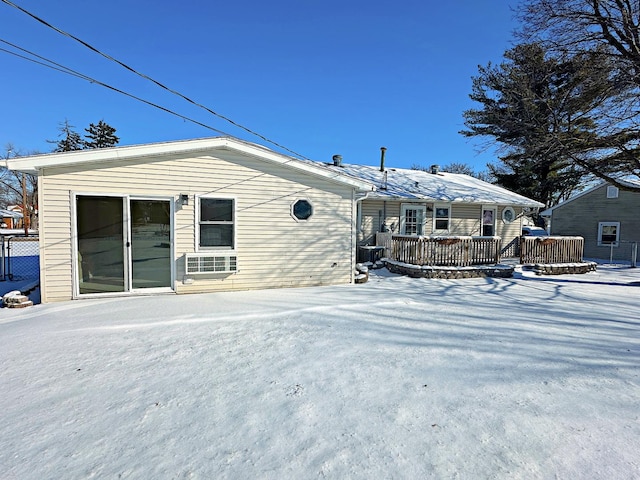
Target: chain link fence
20,262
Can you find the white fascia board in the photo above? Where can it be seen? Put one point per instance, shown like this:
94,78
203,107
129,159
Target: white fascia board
78,157
204,145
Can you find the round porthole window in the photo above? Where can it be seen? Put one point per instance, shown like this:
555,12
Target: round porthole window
302,210
508,215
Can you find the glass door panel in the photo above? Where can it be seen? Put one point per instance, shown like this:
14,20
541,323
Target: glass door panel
488,222
150,243
100,228
412,221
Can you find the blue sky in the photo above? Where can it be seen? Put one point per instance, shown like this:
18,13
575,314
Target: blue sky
320,78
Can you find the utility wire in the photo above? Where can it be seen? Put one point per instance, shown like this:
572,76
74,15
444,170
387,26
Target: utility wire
146,77
45,62
61,68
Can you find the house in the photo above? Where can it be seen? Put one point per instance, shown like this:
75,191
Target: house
605,216
416,202
11,217
190,216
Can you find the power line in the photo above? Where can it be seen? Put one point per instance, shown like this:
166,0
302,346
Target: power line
45,62
61,68
146,77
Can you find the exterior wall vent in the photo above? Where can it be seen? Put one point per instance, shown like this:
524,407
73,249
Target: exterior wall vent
197,263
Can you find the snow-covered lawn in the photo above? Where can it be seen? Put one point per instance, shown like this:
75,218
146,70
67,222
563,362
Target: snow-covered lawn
530,377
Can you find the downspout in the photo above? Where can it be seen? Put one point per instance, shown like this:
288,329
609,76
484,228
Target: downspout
356,226
382,224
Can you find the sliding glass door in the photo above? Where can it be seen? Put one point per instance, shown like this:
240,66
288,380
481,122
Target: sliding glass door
150,244
123,244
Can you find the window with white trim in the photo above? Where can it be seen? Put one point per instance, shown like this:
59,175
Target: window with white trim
508,214
216,223
612,192
412,219
488,221
608,234
441,218
302,209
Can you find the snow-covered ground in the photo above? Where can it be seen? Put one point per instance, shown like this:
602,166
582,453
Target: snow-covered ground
530,377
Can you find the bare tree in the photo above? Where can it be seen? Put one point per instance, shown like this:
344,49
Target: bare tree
575,26
612,29
459,167
11,191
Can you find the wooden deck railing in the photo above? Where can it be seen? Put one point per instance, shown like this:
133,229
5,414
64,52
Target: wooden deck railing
551,250
455,251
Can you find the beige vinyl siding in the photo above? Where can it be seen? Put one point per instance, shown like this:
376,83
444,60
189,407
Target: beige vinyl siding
273,249
582,215
509,231
465,219
373,215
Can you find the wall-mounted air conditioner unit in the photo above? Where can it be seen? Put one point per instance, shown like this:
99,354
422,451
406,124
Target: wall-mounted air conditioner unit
196,263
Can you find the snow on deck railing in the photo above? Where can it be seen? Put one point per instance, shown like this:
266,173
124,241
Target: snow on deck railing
458,251
551,250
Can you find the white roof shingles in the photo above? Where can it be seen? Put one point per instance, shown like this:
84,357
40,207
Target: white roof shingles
441,187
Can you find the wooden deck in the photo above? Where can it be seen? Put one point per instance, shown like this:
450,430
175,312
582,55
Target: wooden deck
467,256
551,250
450,251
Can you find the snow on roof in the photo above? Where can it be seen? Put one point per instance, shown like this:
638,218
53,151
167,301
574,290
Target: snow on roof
9,214
401,183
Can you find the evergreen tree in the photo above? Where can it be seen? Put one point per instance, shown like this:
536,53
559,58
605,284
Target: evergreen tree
540,109
101,135
70,140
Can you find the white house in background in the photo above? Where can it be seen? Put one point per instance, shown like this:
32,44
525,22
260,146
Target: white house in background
605,216
416,202
190,216
11,217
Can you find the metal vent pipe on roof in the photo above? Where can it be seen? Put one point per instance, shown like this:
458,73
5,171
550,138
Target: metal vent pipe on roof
382,152
337,160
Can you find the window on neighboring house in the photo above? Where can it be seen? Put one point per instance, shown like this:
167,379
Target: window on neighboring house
612,192
608,233
412,219
441,217
216,223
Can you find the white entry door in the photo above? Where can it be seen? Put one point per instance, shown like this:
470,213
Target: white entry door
412,219
488,221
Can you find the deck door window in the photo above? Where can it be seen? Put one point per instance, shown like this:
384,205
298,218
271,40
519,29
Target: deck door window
412,220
